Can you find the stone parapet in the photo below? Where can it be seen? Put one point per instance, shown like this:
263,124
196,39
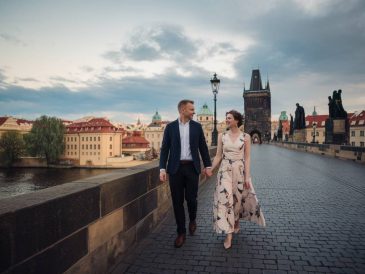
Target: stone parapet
85,226
356,154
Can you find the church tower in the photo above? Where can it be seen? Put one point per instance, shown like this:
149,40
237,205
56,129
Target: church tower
257,105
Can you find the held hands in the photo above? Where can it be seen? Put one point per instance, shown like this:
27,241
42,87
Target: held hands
207,172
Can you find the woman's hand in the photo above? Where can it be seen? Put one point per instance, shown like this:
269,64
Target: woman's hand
247,184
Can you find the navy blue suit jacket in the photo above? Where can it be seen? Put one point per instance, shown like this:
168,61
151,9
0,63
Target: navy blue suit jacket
171,147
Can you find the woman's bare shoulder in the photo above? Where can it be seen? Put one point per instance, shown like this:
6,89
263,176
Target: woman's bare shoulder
247,136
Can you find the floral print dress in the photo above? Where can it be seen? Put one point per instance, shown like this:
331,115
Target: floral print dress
231,200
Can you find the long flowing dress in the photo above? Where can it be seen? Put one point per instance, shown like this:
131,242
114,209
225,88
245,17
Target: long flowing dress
232,201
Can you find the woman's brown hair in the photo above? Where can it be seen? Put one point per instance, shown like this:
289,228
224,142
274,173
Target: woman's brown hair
237,116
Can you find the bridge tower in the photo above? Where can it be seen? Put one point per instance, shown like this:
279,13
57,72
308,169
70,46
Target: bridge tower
257,105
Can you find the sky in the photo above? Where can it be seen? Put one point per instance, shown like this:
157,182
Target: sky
126,59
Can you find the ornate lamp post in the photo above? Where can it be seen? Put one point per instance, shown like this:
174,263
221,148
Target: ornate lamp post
215,82
314,125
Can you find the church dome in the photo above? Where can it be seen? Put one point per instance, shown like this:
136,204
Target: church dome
156,117
205,111
283,116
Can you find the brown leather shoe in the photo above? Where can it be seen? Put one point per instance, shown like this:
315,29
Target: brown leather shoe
180,240
192,227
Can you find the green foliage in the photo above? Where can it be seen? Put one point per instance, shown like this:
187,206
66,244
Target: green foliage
46,138
12,147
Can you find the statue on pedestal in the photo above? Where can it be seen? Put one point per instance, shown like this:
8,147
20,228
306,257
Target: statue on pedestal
299,120
337,125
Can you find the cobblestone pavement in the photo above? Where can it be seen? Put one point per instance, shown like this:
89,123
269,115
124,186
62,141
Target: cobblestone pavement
315,212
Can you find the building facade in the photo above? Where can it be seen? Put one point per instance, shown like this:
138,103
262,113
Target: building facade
357,129
135,144
315,125
154,132
90,142
257,106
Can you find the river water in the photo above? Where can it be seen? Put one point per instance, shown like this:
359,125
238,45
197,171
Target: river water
17,181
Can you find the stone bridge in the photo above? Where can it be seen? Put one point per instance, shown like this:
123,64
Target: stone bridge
121,222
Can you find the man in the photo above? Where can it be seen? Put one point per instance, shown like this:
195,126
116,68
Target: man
182,141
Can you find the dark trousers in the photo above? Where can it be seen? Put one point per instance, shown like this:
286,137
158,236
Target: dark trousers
184,184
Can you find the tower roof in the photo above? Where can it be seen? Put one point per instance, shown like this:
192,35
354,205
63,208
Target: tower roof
205,111
314,113
256,83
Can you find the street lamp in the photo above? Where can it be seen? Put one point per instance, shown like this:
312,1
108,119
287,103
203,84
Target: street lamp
314,125
215,87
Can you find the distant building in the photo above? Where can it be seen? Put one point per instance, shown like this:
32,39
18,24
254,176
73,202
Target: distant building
206,118
357,129
9,123
154,132
135,144
285,125
274,128
135,127
320,130
257,105
91,141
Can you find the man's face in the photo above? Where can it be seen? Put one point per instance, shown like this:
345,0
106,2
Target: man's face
188,111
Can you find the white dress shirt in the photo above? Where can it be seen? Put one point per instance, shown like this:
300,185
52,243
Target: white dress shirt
185,141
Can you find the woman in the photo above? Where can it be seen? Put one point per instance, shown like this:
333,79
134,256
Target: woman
234,196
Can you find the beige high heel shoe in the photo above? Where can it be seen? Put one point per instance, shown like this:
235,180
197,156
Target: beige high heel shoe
228,243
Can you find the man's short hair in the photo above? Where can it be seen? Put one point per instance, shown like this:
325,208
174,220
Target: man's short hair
183,103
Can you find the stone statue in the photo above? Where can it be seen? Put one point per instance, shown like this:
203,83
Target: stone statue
302,117
335,107
280,131
331,107
342,112
299,120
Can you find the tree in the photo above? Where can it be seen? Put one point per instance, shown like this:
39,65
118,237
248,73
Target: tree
46,138
12,146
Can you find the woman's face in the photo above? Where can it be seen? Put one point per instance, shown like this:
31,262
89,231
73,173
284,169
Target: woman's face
230,121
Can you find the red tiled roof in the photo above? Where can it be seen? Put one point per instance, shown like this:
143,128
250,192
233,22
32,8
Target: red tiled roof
319,119
135,140
3,119
18,121
95,125
23,121
358,119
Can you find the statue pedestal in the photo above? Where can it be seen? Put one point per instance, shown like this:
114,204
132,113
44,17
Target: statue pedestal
337,131
299,135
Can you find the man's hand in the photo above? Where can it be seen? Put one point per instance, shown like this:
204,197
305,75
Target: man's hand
208,172
163,176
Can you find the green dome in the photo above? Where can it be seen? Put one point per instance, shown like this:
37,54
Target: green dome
156,117
205,111
283,116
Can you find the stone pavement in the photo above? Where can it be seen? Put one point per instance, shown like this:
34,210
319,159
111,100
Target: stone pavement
315,213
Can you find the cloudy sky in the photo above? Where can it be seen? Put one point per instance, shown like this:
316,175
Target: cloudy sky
125,59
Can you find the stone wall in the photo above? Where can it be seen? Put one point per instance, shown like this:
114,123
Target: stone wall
83,226
356,154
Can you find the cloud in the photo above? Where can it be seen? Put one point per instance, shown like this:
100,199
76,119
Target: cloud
308,49
12,39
